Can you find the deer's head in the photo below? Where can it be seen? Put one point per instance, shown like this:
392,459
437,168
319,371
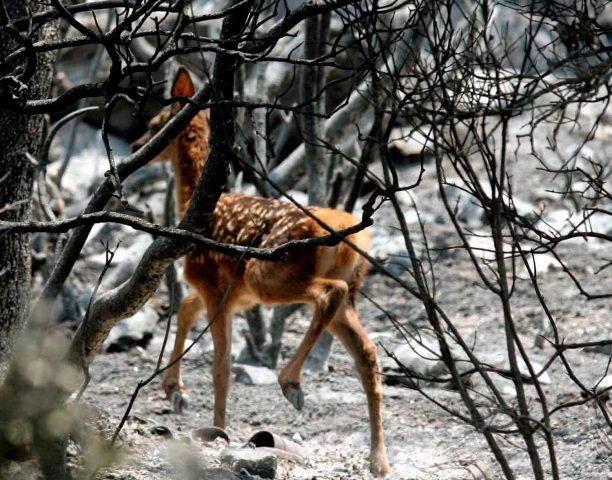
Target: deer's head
194,139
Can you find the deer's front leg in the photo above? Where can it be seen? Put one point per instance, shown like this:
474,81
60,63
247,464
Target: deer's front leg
221,330
172,383
350,332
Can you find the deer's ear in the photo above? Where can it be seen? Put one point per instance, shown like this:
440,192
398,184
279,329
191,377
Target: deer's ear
183,85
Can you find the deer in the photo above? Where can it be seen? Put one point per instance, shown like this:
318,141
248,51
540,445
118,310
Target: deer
325,278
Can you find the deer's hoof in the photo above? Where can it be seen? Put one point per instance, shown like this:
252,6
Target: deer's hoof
294,394
180,402
171,385
379,466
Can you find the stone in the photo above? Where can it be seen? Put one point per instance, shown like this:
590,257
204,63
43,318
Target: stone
316,361
131,332
505,386
71,305
144,177
209,434
419,359
390,250
9,469
253,461
119,274
138,244
73,449
103,233
409,144
218,474
468,208
480,471
421,355
500,361
538,264
162,431
89,160
252,375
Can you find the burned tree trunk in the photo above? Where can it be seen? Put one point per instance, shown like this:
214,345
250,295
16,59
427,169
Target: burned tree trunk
313,95
20,139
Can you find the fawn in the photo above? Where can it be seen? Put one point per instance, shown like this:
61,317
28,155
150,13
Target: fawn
326,278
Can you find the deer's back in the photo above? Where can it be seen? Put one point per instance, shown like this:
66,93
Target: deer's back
267,223
258,222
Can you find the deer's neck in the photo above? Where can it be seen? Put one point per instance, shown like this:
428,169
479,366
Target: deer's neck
193,149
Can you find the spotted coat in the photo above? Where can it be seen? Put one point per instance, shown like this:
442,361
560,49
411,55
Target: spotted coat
246,220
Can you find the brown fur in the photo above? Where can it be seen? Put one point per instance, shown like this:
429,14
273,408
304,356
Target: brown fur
326,278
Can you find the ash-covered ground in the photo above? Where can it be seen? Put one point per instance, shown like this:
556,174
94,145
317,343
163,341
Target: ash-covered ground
423,441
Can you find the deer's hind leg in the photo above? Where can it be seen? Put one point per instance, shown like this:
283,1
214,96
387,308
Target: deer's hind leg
293,283
188,313
326,297
347,328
